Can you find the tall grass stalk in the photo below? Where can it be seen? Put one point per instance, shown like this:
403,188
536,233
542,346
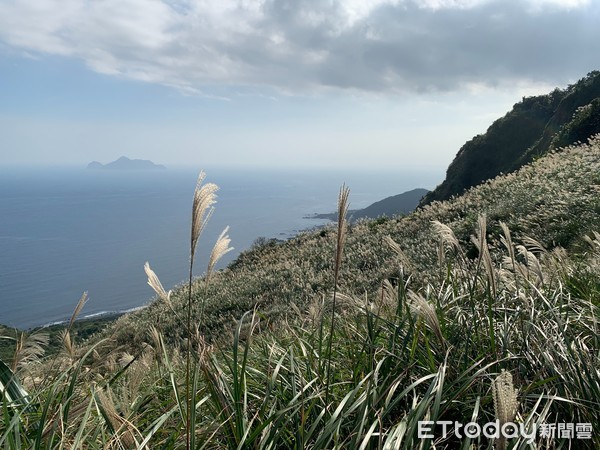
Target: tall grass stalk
339,250
204,198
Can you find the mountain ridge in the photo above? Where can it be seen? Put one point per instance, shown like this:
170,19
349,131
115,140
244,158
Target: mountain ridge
393,205
124,163
532,128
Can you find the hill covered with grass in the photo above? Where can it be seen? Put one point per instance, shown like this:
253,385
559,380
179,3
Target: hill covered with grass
554,201
481,308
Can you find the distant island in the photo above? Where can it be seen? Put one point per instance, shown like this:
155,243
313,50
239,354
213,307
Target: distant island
397,204
124,163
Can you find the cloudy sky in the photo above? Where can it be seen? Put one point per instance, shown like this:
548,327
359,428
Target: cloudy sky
361,83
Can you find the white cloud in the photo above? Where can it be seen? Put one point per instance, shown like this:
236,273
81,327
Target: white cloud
562,3
300,45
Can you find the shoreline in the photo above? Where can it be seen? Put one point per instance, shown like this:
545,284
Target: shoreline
102,315
82,329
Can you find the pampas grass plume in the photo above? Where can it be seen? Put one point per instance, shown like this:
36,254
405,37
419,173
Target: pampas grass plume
155,283
204,197
220,248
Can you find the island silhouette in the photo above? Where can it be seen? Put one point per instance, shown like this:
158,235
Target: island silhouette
124,163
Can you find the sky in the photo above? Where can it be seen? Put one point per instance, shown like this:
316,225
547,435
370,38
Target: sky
278,83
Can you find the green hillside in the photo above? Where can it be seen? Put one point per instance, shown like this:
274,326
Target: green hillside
533,127
481,308
554,201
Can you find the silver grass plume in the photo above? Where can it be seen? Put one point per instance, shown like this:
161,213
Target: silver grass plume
389,295
446,234
65,336
204,197
509,260
126,358
125,431
507,240
535,246
107,405
532,265
155,284
402,258
480,242
425,310
505,401
156,338
447,239
349,301
219,250
341,234
29,349
505,397
80,304
593,241
67,342
203,348
316,308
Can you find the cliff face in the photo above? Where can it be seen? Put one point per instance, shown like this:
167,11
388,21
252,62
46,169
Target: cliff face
533,127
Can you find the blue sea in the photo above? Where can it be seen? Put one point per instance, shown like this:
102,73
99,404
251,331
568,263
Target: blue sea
64,231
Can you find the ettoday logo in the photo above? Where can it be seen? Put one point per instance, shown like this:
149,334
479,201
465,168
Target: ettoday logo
509,430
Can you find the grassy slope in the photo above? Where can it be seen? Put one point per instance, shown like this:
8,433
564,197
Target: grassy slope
427,347
555,201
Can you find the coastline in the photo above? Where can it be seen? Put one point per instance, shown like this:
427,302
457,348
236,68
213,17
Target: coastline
82,329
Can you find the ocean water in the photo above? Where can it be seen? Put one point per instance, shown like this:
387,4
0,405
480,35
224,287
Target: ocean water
64,231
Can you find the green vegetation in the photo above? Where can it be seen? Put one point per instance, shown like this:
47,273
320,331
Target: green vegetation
82,329
533,127
584,123
7,346
481,308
